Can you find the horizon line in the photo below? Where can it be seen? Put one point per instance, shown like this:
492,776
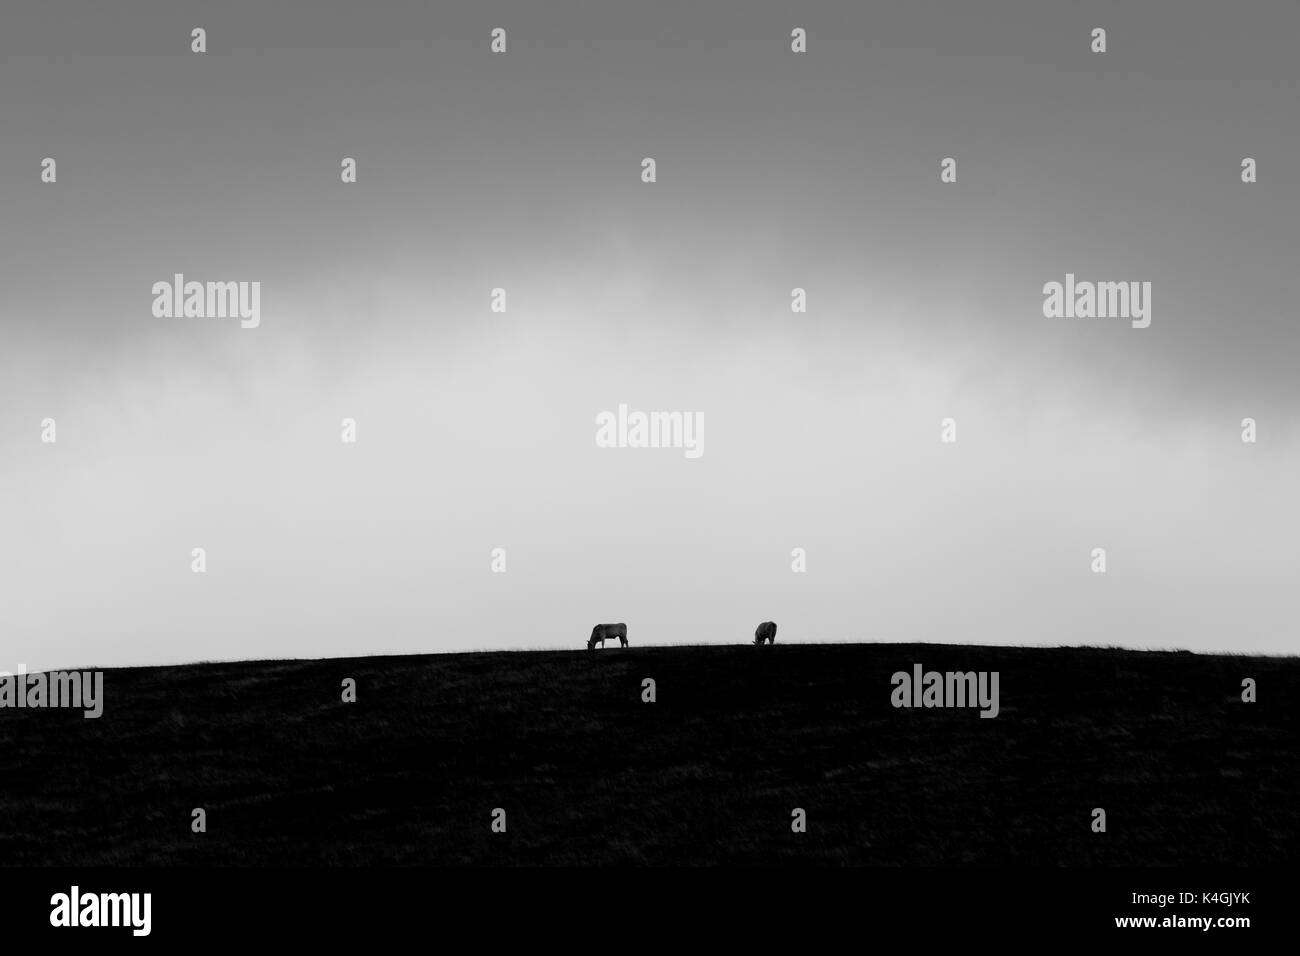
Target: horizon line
584,651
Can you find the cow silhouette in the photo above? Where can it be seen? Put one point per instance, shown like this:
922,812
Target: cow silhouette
607,632
766,632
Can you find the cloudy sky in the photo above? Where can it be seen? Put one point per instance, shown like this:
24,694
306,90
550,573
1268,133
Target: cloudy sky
476,430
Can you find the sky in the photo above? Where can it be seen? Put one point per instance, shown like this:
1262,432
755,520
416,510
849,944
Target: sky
476,430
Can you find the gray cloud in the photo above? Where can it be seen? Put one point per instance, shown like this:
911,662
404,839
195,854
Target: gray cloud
476,430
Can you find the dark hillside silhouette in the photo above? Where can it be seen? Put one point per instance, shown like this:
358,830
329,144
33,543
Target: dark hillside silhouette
589,773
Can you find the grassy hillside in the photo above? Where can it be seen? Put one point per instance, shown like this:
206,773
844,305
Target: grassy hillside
709,773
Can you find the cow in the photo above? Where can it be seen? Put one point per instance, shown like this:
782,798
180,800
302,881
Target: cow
766,632
603,632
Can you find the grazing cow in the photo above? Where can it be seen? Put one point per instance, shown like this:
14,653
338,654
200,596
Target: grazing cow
766,632
607,632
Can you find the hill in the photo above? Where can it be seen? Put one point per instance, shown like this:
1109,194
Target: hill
737,737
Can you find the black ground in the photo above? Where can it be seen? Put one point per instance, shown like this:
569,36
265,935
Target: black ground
587,773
